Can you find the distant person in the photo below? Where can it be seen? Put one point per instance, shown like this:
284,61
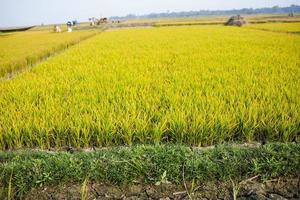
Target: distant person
69,25
92,21
57,29
74,23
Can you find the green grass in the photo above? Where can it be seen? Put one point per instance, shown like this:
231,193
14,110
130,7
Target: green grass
147,164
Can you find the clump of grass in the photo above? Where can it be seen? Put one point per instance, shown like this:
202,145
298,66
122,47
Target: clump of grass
84,190
147,164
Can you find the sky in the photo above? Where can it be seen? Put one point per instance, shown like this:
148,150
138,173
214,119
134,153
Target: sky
36,12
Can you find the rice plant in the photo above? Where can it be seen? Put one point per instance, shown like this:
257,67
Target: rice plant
20,49
197,85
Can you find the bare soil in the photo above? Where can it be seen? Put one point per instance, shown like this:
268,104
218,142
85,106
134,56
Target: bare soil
279,189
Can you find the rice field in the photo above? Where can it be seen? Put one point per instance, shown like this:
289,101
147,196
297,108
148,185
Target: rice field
277,27
188,23
196,85
20,49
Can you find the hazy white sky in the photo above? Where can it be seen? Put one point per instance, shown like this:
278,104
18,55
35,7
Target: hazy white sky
34,12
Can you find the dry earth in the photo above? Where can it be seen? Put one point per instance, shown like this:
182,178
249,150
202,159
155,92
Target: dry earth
279,189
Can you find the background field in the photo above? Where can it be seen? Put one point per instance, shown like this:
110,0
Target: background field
194,85
277,27
220,20
20,49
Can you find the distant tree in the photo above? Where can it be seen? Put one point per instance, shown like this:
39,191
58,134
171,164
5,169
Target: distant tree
245,11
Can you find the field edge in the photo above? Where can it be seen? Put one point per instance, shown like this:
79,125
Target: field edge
23,171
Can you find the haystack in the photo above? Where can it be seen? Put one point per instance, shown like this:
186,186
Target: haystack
235,21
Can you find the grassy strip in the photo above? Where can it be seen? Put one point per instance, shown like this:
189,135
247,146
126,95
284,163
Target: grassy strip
21,171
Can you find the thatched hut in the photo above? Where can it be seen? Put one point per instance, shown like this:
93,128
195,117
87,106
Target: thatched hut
235,21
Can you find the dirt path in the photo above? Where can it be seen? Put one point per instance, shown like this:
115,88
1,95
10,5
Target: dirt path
280,189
